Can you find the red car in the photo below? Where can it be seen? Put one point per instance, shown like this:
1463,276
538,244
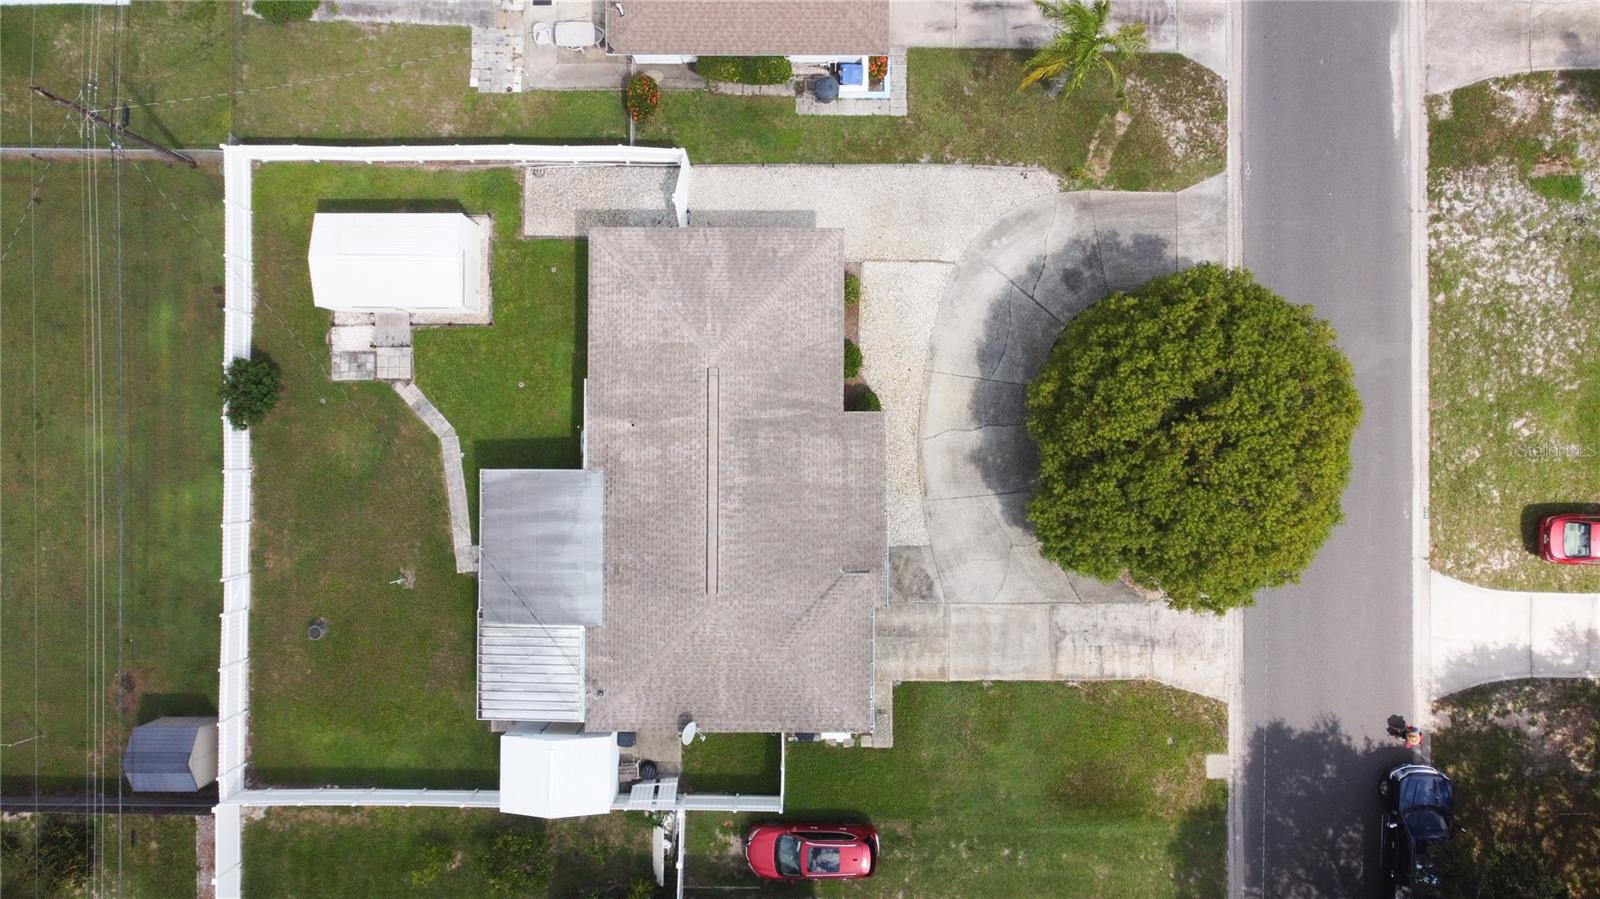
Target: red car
812,851
1570,539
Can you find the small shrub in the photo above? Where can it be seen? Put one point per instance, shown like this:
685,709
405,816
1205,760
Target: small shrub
431,862
250,389
852,359
518,864
642,889
852,289
1557,187
643,97
866,401
282,12
745,69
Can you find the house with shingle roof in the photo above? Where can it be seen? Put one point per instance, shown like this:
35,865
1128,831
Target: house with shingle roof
836,36
721,554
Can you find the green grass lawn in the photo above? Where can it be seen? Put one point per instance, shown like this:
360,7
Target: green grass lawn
141,856
1514,356
384,852
197,72
349,491
1016,790
1521,756
733,763
110,461
964,107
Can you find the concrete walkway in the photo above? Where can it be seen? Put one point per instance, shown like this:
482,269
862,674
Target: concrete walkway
1009,298
455,481
1470,40
1197,29
1482,635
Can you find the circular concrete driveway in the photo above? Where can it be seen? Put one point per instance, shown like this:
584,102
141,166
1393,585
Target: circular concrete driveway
1012,292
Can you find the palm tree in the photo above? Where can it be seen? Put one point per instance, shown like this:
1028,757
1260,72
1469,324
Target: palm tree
1082,41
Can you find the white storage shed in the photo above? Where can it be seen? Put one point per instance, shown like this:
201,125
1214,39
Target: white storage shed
430,262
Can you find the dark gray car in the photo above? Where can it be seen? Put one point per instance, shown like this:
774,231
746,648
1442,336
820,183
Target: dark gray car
1418,819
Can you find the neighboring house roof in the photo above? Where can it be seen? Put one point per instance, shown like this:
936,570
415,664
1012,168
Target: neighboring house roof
412,262
171,755
748,27
745,529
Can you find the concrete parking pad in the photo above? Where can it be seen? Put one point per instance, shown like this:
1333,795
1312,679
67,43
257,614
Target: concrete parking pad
1000,642
1197,29
1021,280
912,641
1470,40
1060,641
902,213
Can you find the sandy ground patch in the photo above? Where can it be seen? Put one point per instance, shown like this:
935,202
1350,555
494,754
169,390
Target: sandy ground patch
568,200
899,303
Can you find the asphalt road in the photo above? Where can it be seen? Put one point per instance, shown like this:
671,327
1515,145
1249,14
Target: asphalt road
1324,141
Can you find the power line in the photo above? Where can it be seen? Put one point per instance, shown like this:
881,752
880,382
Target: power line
115,129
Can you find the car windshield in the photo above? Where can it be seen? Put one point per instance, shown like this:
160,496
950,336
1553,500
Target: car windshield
1575,540
1425,790
788,856
1426,825
823,860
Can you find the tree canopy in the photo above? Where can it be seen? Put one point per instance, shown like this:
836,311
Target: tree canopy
1195,435
1083,42
249,391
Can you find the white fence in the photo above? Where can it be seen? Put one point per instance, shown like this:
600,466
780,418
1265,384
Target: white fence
233,700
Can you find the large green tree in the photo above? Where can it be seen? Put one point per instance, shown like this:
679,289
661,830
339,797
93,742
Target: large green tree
1195,435
1083,42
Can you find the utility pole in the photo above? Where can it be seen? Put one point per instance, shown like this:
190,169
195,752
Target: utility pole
115,129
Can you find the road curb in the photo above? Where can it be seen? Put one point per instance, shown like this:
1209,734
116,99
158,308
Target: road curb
1421,582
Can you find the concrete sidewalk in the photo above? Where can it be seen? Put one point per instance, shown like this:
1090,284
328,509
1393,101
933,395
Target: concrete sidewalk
1197,29
1470,40
1482,635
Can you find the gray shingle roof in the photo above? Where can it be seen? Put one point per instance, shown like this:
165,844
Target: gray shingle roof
749,27
745,535
157,757
540,531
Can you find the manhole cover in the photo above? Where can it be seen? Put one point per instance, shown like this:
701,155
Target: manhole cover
318,629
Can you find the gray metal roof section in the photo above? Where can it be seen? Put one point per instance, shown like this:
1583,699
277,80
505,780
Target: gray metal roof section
530,673
157,757
745,529
540,532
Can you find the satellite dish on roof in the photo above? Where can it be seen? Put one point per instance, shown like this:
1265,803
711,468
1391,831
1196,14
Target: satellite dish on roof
690,731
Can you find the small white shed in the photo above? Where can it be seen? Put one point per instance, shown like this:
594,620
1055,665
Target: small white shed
548,771
397,262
